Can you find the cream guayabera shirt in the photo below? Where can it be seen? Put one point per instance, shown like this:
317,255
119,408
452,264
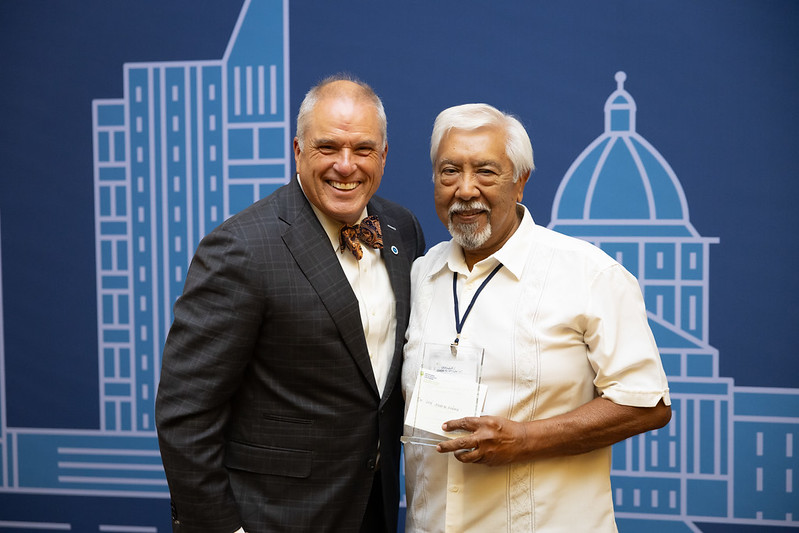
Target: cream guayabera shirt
561,323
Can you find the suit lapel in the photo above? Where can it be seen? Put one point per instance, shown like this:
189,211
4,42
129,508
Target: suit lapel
398,273
310,247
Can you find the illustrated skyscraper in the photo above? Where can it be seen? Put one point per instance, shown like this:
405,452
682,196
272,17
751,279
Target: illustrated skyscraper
189,144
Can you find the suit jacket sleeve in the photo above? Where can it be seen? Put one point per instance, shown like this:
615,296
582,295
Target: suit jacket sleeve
208,348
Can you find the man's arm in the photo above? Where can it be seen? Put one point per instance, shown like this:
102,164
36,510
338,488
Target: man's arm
206,353
599,423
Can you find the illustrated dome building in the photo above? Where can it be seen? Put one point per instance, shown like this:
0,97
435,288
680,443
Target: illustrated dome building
622,195
622,178
710,462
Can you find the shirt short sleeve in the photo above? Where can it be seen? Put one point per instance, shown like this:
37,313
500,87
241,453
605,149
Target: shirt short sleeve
621,347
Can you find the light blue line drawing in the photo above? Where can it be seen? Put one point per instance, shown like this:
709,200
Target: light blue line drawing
189,144
729,454
4,459
41,526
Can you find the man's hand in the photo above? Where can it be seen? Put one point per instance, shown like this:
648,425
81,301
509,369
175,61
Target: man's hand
494,440
599,423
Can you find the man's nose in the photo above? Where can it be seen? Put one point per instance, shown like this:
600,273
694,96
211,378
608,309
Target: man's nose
467,189
344,164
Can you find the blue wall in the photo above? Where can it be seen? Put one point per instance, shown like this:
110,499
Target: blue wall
715,84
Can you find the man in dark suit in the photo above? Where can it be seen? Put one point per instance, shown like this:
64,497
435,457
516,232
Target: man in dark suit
279,407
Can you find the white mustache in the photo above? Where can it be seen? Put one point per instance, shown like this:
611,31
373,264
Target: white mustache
474,205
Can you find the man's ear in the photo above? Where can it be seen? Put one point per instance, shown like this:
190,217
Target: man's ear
296,149
520,183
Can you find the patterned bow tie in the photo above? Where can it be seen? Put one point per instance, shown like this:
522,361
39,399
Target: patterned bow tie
368,232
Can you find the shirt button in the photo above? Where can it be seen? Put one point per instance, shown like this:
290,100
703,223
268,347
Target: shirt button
454,489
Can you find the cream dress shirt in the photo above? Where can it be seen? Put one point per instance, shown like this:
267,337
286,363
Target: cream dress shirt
370,283
561,323
372,287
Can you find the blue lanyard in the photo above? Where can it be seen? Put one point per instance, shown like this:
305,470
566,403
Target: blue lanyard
460,321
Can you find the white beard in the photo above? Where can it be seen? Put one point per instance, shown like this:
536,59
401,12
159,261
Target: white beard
469,236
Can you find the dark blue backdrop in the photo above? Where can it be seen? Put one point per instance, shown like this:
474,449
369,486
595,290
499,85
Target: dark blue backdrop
716,83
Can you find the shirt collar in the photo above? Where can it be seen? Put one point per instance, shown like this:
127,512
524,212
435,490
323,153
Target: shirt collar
513,254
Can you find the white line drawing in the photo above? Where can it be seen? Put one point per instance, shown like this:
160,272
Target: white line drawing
189,144
710,463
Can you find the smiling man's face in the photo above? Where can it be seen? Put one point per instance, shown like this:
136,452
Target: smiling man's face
343,154
474,191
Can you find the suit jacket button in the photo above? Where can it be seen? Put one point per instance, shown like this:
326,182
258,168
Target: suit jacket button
370,464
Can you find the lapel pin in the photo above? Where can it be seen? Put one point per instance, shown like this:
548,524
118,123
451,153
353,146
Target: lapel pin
394,250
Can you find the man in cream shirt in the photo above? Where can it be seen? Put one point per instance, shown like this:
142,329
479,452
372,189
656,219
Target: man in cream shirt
570,363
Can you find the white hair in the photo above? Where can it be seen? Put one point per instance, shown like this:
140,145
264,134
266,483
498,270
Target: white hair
473,116
313,96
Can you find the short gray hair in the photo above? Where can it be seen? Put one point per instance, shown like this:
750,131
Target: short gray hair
473,116
313,96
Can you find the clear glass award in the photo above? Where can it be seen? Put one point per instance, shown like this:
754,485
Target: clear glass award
447,387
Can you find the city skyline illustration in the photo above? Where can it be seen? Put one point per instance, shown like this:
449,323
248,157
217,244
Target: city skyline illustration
192,142
189,144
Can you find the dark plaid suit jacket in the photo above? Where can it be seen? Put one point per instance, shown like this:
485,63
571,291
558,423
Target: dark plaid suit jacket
268,413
